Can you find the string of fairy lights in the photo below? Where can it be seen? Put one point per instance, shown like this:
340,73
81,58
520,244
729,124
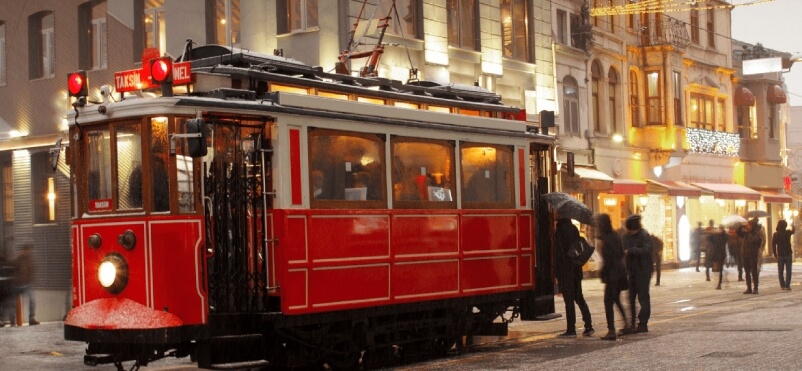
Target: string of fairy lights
665,6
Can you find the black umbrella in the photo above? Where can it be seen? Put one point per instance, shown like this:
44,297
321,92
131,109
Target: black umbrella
569,207
756,214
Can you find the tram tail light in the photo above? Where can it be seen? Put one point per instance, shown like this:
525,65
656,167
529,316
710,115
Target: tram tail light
77,84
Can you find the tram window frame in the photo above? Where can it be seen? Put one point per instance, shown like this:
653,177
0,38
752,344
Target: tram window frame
467,177
399,180
329,164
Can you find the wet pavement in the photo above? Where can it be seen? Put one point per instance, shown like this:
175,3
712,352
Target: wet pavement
693,326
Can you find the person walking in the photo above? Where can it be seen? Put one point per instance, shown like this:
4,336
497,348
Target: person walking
717,253
657,248
23,279
734,243
781,247
750,253
569,278
696,244
638,258
613,273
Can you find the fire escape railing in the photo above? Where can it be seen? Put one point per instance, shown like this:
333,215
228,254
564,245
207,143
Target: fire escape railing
660,29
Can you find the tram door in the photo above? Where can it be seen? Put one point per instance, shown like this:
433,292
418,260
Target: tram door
540,302
237,173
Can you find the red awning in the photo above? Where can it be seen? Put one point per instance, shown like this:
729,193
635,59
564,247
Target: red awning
726,191
672,188
776,94
771,197
628,187
743,97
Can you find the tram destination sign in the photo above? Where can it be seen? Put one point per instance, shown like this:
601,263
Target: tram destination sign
139,79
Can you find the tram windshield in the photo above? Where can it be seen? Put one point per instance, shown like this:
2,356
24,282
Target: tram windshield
129,168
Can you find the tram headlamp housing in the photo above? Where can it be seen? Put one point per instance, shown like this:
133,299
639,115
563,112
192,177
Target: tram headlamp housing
112,273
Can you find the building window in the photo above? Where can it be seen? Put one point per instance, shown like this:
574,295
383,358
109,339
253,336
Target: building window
226,23
632,16
721,123
634,104
695,23
300,15
8,191
41,45
611,18
43,183
570,105
772,121
703,115
612,94
595,85
562,26
711,28
406,17
678,98
514,32
745,128
92,39
154,25
462,23
653,98
576,31
2,53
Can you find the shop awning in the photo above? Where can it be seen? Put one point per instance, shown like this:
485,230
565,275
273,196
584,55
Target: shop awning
628,187
771,197
673,188
728,191
776,94
586,178
743,97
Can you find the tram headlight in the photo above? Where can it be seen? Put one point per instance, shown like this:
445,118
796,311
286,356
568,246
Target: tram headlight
112,273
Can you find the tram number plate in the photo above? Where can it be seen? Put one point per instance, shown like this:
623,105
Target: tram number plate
100,205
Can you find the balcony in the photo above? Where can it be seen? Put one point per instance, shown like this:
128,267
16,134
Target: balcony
712,142
660,29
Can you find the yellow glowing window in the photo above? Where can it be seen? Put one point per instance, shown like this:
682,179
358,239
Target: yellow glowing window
370,100
328,94
407,105
439,109
469,112
289,89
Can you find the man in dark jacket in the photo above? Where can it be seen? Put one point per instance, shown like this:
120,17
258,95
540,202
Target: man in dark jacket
657,256
781,247
569,278
752,242
638,258
696,244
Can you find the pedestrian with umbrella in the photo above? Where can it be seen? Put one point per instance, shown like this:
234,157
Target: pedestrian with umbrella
568,273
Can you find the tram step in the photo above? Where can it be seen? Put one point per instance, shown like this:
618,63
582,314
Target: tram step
232,352
240,365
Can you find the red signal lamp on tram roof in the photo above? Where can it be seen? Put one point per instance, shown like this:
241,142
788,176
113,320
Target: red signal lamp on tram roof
161,70
77,84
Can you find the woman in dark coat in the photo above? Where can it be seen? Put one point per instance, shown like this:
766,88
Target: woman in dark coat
569,278
613,273
781,247
717,253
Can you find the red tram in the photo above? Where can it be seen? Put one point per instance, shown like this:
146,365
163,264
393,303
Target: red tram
259,211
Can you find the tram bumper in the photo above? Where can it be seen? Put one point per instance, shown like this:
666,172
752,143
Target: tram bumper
121,321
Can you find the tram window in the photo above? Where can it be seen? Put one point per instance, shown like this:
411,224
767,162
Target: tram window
407,105
345,167
185,178
423,174
439,109
370,100
160,181
129,167
98,170
327,94
487,176
469,112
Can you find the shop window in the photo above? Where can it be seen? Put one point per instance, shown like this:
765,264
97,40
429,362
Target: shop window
487,176
423,174
462,23
43,183
41,45
346,167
